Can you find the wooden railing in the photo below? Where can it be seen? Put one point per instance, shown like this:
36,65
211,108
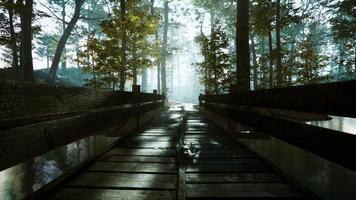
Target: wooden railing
330,98
36,118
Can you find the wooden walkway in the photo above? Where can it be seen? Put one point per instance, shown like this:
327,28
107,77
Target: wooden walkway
180,155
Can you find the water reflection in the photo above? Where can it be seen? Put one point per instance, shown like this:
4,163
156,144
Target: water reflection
344,124
23,179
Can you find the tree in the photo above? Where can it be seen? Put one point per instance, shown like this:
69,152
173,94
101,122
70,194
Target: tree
344,34
243,51
102,56
62,5
25,12
278,44
9,37
45,48
164,48
63,40
215,69
310,65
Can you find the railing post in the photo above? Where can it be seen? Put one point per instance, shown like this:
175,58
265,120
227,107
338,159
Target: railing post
136,91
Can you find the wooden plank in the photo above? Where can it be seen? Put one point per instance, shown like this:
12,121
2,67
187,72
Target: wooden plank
247,167
142,152
207,136
148,138
227,161
144,159
125,181
210,146
133,167
225,153
209,141
242,190
155,145
232,177
109,194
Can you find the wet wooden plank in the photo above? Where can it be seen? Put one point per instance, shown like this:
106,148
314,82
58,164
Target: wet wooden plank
210,146
142,152
155,145
225,161
149,159
210,142
232,177
133,167
202,136
246,167
110,194
125,180
148,138
225,153
242,190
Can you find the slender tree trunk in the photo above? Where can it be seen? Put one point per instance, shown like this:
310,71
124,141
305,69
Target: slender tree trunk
355,57
278,46
47,57
254,61
26,40
63,40
270,59
123,47
159,78
134,73
15,58
164,49
145,71
64,54
243,53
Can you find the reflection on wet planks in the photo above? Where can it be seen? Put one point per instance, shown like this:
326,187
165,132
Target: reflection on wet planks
149,165
217,166
142,166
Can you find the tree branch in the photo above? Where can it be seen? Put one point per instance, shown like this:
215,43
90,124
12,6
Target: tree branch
53,14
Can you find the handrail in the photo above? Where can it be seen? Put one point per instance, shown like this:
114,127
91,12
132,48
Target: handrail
329,98
330,144
35,133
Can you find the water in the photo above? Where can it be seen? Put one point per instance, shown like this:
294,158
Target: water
344,124
25,178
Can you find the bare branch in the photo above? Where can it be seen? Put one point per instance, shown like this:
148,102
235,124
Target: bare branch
53,14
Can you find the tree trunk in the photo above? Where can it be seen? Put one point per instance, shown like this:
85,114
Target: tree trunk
164,49
63,40
278,46
64,54
145,71
159,78
243,53
26,40
270,59
254,61
134,74
47,56
123,47
15,58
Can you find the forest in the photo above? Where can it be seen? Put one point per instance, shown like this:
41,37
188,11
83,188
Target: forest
178,47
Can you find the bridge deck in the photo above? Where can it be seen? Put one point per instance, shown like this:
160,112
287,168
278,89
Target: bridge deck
179,155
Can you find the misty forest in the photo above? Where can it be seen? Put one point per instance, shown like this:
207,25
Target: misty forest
179,47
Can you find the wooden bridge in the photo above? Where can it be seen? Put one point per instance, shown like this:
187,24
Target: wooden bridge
187,153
